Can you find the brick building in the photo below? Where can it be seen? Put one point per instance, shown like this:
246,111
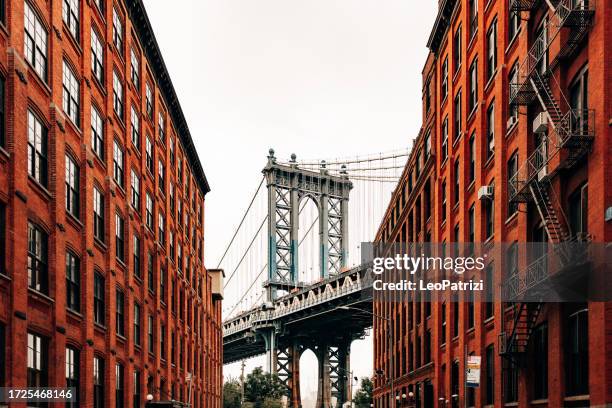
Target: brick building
514,147
102,281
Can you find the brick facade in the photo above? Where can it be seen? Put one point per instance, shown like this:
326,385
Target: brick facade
429,181
160,275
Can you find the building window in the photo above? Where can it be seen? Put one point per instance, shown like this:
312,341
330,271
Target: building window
513,84
577,350
136,257
38,364
35,46
135,182
137,320
137,385
149,210
162,341
3,352
171,243
445,139
70,94
73,282
489,212
491,50
162,284
97,133
98,382
150,334
161,173
457,50
444,90
161,222
150,272
135,68
578,211
72,374
162,127
489,375
490,291
510,382
490,130
457,118
37,149
473,101
540,355
2,241
2,113
457,189
118,163
118,31
513,24
135,121
149,101
72,187
99,303
455,383
37,258
443,193
97,56
119,385
120,313
149,154
427,96
98,204
70,15
472,148
473,17
117,95
512,171
455,303
119,238
471,227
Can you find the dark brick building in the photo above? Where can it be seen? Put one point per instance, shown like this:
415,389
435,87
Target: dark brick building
514,147
102,279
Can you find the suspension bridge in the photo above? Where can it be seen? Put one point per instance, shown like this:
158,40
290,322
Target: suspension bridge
293,267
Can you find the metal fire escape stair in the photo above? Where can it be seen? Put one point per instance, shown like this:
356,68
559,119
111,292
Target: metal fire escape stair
570,131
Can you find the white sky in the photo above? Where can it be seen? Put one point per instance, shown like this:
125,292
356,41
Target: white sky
321,78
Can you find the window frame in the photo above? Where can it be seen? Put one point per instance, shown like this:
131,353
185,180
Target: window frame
73,282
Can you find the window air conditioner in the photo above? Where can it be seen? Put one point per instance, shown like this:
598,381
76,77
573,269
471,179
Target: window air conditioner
540,123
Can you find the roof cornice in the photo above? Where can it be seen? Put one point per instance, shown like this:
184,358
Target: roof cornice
144,30
445,12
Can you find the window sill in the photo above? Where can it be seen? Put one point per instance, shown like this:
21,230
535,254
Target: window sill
489,162
584,397
491,80
41,296
74,41
512,219
511,129
488,322
540,401
99,327
472,41
472,114
72,219
456,74
4,154
120,337
100,244
513,40
39,188
470,186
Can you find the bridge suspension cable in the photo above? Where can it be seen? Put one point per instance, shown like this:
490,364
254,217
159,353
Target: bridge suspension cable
241,222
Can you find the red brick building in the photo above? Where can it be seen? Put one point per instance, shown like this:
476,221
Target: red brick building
516,100
102,282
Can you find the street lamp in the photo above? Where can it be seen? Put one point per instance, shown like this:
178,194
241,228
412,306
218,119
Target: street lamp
391,339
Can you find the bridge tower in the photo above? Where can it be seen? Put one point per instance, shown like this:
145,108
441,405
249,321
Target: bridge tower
288,185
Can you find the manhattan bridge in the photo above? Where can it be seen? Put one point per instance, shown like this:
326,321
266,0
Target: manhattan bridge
294,276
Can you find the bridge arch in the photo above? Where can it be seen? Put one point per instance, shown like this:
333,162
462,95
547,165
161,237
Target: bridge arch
309,239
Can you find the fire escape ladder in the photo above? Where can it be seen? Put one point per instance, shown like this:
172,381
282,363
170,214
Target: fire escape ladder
548,102
554,229
525,317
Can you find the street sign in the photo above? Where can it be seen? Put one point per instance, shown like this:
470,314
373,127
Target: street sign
472,371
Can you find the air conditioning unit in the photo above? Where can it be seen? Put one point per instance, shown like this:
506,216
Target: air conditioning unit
540,123
485,192
511,122
542,173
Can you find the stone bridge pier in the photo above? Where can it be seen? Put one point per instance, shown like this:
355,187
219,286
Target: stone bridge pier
334,372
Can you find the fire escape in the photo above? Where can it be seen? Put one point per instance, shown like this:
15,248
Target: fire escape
566,134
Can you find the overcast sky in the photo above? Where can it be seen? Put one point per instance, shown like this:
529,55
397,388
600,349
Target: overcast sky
321,78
